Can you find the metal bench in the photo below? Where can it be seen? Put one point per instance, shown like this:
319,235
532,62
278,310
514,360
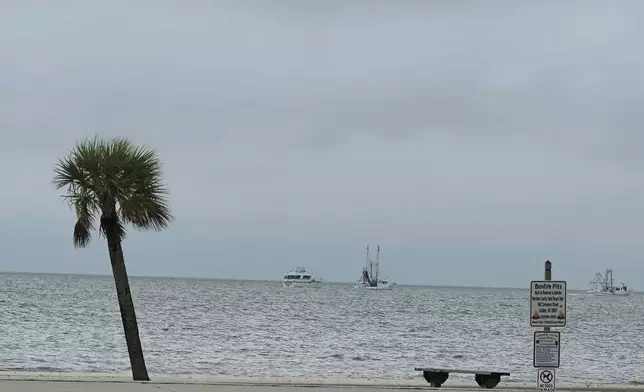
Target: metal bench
485,379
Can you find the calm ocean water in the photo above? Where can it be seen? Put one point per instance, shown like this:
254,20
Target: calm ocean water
250,329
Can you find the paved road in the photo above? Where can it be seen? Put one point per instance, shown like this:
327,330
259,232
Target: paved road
65,386
62,386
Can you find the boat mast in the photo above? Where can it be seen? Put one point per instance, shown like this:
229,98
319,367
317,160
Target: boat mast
368,264
377,263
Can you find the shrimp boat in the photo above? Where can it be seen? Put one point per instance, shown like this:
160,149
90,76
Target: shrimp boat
370,280
603,285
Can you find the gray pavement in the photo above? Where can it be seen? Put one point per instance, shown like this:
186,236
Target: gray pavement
84,386
64,386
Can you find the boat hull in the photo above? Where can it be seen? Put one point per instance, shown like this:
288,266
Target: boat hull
379,287
313,284
616,294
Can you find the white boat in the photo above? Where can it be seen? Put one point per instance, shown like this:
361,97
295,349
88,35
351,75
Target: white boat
300,278
603,285
370,280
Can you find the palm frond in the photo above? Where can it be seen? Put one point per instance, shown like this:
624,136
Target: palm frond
82,234
116,181
85,207
146,212
146,206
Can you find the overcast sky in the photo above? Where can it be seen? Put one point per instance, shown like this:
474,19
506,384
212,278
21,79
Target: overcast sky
473,140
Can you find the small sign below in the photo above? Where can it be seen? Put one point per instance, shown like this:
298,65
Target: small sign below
547,348
548,303
546,380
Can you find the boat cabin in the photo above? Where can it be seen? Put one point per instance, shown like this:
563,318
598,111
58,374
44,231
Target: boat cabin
298,274
297,277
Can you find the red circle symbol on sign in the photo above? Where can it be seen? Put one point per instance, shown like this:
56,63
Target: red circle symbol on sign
546,376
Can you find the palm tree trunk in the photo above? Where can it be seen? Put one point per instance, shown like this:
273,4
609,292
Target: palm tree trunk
126,305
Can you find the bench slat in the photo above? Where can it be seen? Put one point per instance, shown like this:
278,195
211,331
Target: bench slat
462,371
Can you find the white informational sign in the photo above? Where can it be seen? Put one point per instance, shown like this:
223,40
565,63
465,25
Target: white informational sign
546,380
547,347
547,303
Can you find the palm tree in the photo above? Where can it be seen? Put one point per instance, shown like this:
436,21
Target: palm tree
115,183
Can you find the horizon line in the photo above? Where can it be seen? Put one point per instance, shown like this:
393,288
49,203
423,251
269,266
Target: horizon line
527,287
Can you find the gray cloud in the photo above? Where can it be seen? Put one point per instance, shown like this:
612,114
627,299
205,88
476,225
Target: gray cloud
463,136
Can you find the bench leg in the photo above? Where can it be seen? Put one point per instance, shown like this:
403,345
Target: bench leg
435,379
487,381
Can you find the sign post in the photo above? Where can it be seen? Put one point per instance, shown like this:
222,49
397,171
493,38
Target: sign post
547,309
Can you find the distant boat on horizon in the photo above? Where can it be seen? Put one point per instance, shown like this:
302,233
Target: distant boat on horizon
300,278
603,285
370,279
